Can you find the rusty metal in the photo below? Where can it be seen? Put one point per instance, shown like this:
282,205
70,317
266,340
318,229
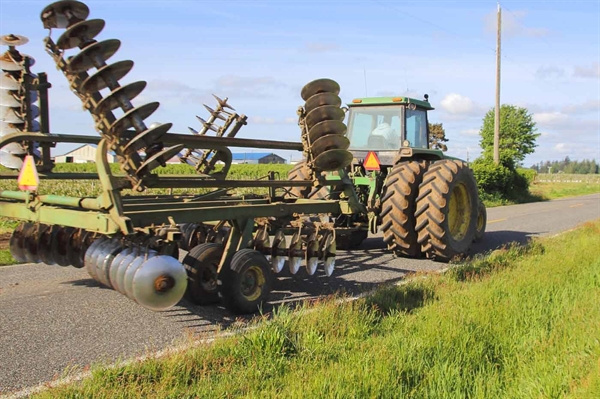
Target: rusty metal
71,15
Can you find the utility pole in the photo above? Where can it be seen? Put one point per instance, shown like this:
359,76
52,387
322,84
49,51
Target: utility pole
497,114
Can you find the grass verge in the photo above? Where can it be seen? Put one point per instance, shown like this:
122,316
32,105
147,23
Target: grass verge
6,258
521,322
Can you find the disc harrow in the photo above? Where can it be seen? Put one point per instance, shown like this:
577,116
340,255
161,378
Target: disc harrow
139,148
18,111
323,129
205,161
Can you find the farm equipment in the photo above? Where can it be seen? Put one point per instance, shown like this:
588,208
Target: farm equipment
423,201
234,245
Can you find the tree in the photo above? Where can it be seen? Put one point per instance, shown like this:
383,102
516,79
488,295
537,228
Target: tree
517,135
437,137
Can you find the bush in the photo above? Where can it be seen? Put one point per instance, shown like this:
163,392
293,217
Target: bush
501,182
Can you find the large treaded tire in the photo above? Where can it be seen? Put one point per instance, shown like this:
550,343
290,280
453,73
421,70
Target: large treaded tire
398,208
447,210
481,222
301,172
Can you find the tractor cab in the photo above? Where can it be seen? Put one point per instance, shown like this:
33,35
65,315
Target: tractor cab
385,124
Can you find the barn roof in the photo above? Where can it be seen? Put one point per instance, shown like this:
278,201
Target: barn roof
251,156
81,146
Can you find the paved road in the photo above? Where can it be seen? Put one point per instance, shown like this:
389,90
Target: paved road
54,318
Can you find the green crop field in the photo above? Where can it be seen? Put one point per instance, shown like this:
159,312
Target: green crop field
521,322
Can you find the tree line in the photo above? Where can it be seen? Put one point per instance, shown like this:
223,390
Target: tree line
567,166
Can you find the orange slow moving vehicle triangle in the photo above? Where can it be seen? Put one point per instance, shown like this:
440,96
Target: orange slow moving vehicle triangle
371,161
28,177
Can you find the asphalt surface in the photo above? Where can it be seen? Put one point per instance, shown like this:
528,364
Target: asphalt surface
56,320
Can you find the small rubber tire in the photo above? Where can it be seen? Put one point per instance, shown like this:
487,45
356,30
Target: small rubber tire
247,283
201,265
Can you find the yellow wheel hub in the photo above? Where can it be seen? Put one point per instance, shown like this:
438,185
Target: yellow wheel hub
459,212
252,283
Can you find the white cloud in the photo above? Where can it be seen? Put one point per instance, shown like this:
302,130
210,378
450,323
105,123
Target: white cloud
587,72
511,25
550,119
259,120
561,147
457,104
582,108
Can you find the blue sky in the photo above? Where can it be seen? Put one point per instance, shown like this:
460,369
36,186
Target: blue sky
260,53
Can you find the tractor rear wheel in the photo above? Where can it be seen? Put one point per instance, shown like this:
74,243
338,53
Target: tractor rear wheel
301,172
447,210
398,208
481,222
201,264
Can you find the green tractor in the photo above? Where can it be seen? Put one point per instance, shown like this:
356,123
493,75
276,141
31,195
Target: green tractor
424,202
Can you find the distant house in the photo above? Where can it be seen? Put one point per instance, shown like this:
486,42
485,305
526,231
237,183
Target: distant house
256,157
85,153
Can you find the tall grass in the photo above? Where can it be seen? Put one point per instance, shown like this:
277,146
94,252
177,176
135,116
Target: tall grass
523,322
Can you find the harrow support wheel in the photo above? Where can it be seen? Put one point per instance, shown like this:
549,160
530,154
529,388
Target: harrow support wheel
447,210
201,264
481,222
247,283
398,208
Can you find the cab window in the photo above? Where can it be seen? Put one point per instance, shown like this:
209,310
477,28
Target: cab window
416,128
375,127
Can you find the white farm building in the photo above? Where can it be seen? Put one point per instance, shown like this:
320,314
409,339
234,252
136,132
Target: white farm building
85,153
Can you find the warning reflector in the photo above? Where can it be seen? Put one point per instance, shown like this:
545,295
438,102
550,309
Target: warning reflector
371,161
28,176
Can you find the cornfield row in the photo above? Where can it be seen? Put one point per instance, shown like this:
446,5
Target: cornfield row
85,188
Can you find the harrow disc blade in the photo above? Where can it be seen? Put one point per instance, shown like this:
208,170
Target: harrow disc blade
45,245
312,256
60,245
317,86
114,266
13,40
104,260
332,160
295,258
63,13
78,32
106,76
88,57
159,283
328,253
78,243
8,82
148,137
133,267
121,267
320,99
326,112
331,142
90,252
278,251
126,120
31,242
8,98
10,161
16,250
159,158
111,101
